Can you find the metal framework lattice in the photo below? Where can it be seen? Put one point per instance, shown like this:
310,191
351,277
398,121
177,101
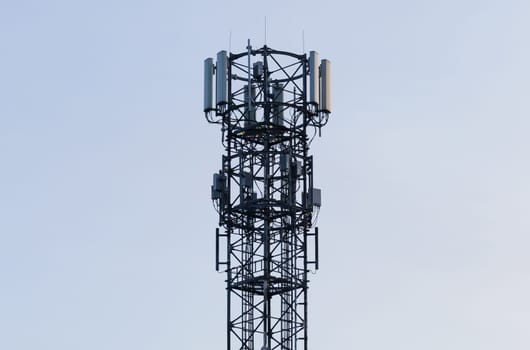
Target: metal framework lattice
270,105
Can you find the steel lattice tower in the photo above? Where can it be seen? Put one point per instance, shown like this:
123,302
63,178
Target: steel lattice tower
270,105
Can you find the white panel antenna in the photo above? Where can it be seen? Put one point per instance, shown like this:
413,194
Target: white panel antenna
221,78
313,78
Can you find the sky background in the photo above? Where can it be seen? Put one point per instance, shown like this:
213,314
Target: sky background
106,226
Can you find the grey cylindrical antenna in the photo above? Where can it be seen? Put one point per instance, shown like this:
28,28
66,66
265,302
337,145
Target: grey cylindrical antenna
221,90
277,98
325,87
313,78
250,110
208,84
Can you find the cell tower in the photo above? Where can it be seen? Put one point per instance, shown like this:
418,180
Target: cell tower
270,105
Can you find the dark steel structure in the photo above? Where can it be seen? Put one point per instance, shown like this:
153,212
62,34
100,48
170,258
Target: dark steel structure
270,104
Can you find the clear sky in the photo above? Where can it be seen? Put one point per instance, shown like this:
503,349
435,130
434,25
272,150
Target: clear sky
106,227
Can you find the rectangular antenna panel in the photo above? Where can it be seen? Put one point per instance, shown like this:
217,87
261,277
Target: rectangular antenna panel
277,93
313,77
219,182
285,161
316,197
221,91
208,84
325,92
245,179
250,114
257,69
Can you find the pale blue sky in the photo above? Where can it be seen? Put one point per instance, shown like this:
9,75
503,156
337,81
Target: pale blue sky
106,228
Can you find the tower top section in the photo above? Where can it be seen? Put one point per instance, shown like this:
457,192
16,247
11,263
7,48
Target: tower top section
267,88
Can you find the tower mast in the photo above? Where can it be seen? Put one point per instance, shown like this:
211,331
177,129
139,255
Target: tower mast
269,104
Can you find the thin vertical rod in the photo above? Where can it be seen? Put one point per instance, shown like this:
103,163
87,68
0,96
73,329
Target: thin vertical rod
303,41
249,84
265,30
